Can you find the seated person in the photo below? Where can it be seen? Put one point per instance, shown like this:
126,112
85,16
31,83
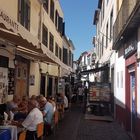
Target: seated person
52,101
13,105
48,112
34,117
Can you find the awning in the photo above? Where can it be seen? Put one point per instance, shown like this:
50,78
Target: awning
95,70
8,23
32,55
17,40
27,44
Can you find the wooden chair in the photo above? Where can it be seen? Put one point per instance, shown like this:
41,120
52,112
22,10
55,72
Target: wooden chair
55,121
56,117
22,135
40,130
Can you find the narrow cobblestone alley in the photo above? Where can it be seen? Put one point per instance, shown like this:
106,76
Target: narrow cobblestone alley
74,126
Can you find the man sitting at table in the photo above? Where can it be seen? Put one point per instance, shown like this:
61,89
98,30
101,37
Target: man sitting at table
48,112
34,117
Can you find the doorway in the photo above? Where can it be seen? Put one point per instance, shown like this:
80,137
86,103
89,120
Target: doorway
133,100
42,84
22,76
50,85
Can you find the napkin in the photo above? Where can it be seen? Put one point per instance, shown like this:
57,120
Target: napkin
5,116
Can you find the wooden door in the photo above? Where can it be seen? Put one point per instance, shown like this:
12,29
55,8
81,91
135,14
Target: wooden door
21,78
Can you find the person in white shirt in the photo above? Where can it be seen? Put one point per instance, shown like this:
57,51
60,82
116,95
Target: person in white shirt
65,102
30,123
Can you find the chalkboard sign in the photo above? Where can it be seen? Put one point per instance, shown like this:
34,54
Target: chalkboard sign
11,83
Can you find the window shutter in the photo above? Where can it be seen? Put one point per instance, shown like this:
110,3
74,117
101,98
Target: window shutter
60,25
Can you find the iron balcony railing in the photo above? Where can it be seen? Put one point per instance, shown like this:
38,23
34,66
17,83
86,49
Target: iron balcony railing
124,14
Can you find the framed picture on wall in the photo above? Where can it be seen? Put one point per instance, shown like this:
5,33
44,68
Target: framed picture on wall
32,80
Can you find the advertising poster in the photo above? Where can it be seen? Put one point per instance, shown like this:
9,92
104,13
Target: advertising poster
3,84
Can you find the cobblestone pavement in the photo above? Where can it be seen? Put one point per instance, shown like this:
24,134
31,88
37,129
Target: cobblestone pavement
75,127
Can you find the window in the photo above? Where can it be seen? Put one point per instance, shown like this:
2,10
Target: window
117,79
102,45
56,49
103,11
65,56
84,60
107,2
46,5
45,36
52,10
56,19
70,58
51,42
60,25
107,35
111,24
60,53
24,13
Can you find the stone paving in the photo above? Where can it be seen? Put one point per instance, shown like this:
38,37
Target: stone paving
74,126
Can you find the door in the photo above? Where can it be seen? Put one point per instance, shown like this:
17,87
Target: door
42,84
22,79
50,85
133,100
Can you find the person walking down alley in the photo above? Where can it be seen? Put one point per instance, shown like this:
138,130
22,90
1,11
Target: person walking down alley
80,93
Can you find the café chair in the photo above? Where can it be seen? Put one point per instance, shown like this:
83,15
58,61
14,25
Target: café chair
40,131
55,121
22,135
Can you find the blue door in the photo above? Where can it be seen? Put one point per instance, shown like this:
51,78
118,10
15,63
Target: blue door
133,100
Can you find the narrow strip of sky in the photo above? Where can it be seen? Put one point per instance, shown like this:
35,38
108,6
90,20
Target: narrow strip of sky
78,16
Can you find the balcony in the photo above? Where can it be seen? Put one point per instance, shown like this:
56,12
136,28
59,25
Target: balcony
127,21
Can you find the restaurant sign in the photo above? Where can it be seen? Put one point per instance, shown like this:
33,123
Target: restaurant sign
8,20
130,49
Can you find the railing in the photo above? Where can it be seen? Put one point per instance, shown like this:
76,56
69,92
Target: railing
124,13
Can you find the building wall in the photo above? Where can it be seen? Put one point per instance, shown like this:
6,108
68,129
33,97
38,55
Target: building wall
34,71
138,81
120,81
10,8
38,15
101,32
35,17
138,92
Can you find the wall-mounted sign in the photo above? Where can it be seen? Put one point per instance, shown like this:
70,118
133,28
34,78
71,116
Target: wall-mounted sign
131,47
32,80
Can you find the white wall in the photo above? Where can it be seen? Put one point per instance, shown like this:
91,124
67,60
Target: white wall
119,89
34,70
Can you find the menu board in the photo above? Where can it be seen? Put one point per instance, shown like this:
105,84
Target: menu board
11,83
99,92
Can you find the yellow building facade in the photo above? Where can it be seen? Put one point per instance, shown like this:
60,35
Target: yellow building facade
31,42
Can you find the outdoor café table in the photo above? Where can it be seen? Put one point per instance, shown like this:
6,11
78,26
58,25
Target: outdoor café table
5,134
13,130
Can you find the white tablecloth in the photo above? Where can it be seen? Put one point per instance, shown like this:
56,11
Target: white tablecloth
13,130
